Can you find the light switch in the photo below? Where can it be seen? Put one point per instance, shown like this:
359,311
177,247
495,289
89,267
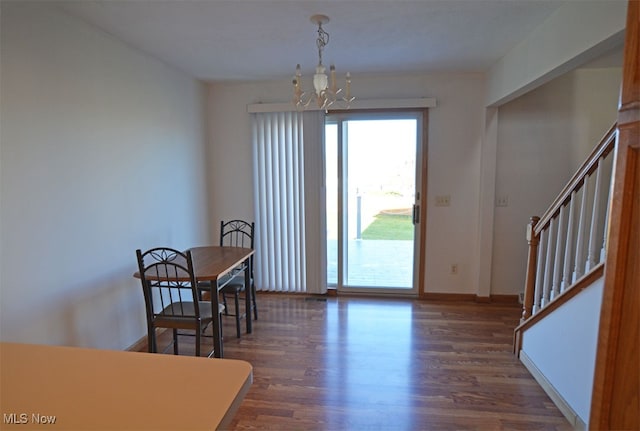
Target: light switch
443,200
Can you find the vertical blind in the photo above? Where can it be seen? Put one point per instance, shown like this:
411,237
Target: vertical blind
290,239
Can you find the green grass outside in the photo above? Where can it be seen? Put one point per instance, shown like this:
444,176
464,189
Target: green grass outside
391,227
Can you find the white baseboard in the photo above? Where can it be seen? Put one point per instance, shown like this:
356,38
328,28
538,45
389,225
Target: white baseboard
573,418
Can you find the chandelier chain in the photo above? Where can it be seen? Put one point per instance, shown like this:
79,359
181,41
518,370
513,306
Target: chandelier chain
321,41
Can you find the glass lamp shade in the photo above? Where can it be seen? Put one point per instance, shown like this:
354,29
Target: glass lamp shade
320,80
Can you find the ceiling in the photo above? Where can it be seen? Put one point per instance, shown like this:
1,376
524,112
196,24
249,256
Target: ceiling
221,40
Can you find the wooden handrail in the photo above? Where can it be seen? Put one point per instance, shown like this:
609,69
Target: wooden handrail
605,146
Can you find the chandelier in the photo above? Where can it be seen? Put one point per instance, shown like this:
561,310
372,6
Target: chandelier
326,91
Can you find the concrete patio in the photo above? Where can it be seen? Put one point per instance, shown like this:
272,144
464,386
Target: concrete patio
373,263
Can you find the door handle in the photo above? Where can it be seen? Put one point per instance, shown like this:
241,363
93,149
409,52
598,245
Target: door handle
416,214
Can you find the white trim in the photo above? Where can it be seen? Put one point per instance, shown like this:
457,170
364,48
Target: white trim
423,102
564,407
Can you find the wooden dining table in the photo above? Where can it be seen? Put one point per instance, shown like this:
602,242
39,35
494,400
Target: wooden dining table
215,265
73,388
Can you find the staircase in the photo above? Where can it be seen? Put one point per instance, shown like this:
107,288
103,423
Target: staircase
557,337
582,326
567,245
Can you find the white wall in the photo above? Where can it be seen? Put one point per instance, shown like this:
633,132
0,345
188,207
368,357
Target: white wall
102,152
563,347
543,138
595,101
574,34
455,132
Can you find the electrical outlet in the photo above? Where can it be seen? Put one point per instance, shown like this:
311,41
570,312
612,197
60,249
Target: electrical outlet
443,200
453,269
502,201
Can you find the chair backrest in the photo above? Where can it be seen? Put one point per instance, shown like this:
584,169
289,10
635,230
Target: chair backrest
168,283
236,233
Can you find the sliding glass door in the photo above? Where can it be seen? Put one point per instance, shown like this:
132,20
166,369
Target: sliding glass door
373,201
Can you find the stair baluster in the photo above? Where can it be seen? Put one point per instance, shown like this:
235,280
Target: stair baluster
557,264
566,273
595,212
579,256
537,302
546,291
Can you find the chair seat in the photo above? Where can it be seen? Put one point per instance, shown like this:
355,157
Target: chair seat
233,288
187,310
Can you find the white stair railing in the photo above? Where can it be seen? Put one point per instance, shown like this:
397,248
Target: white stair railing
569,240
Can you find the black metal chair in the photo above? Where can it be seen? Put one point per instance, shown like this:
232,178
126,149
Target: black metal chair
171,296
238,233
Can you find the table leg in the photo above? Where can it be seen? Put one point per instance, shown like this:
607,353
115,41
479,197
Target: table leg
247,294
217,322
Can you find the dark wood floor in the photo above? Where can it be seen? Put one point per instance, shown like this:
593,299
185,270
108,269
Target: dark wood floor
385,364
